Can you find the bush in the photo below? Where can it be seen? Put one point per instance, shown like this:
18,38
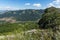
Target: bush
50,19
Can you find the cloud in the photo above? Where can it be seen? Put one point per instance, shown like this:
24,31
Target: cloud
55,3
37,5
50,4
5,8
8,8
27,4
34,4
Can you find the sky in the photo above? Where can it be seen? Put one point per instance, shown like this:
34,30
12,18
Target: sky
28,4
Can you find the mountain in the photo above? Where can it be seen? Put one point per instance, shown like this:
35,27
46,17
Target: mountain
51,18
22,15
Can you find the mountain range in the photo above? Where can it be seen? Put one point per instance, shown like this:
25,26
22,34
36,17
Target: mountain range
21,15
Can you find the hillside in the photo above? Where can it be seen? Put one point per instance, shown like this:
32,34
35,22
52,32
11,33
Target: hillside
51,18
23,15
48,28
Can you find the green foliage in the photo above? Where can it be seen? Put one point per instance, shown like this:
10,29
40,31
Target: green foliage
50,18
23,15
30,31
17,27
36,35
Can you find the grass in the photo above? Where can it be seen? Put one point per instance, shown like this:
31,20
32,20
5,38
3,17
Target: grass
8,28
26,31
36,35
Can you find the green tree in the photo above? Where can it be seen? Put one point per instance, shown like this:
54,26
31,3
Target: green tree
50,19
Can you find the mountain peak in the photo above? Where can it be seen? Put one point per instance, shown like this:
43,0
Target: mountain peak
50,9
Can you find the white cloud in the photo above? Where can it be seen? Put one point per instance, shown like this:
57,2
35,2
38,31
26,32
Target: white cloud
37,5
8,8
34,4
5,8
27,4
55,3
50,4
